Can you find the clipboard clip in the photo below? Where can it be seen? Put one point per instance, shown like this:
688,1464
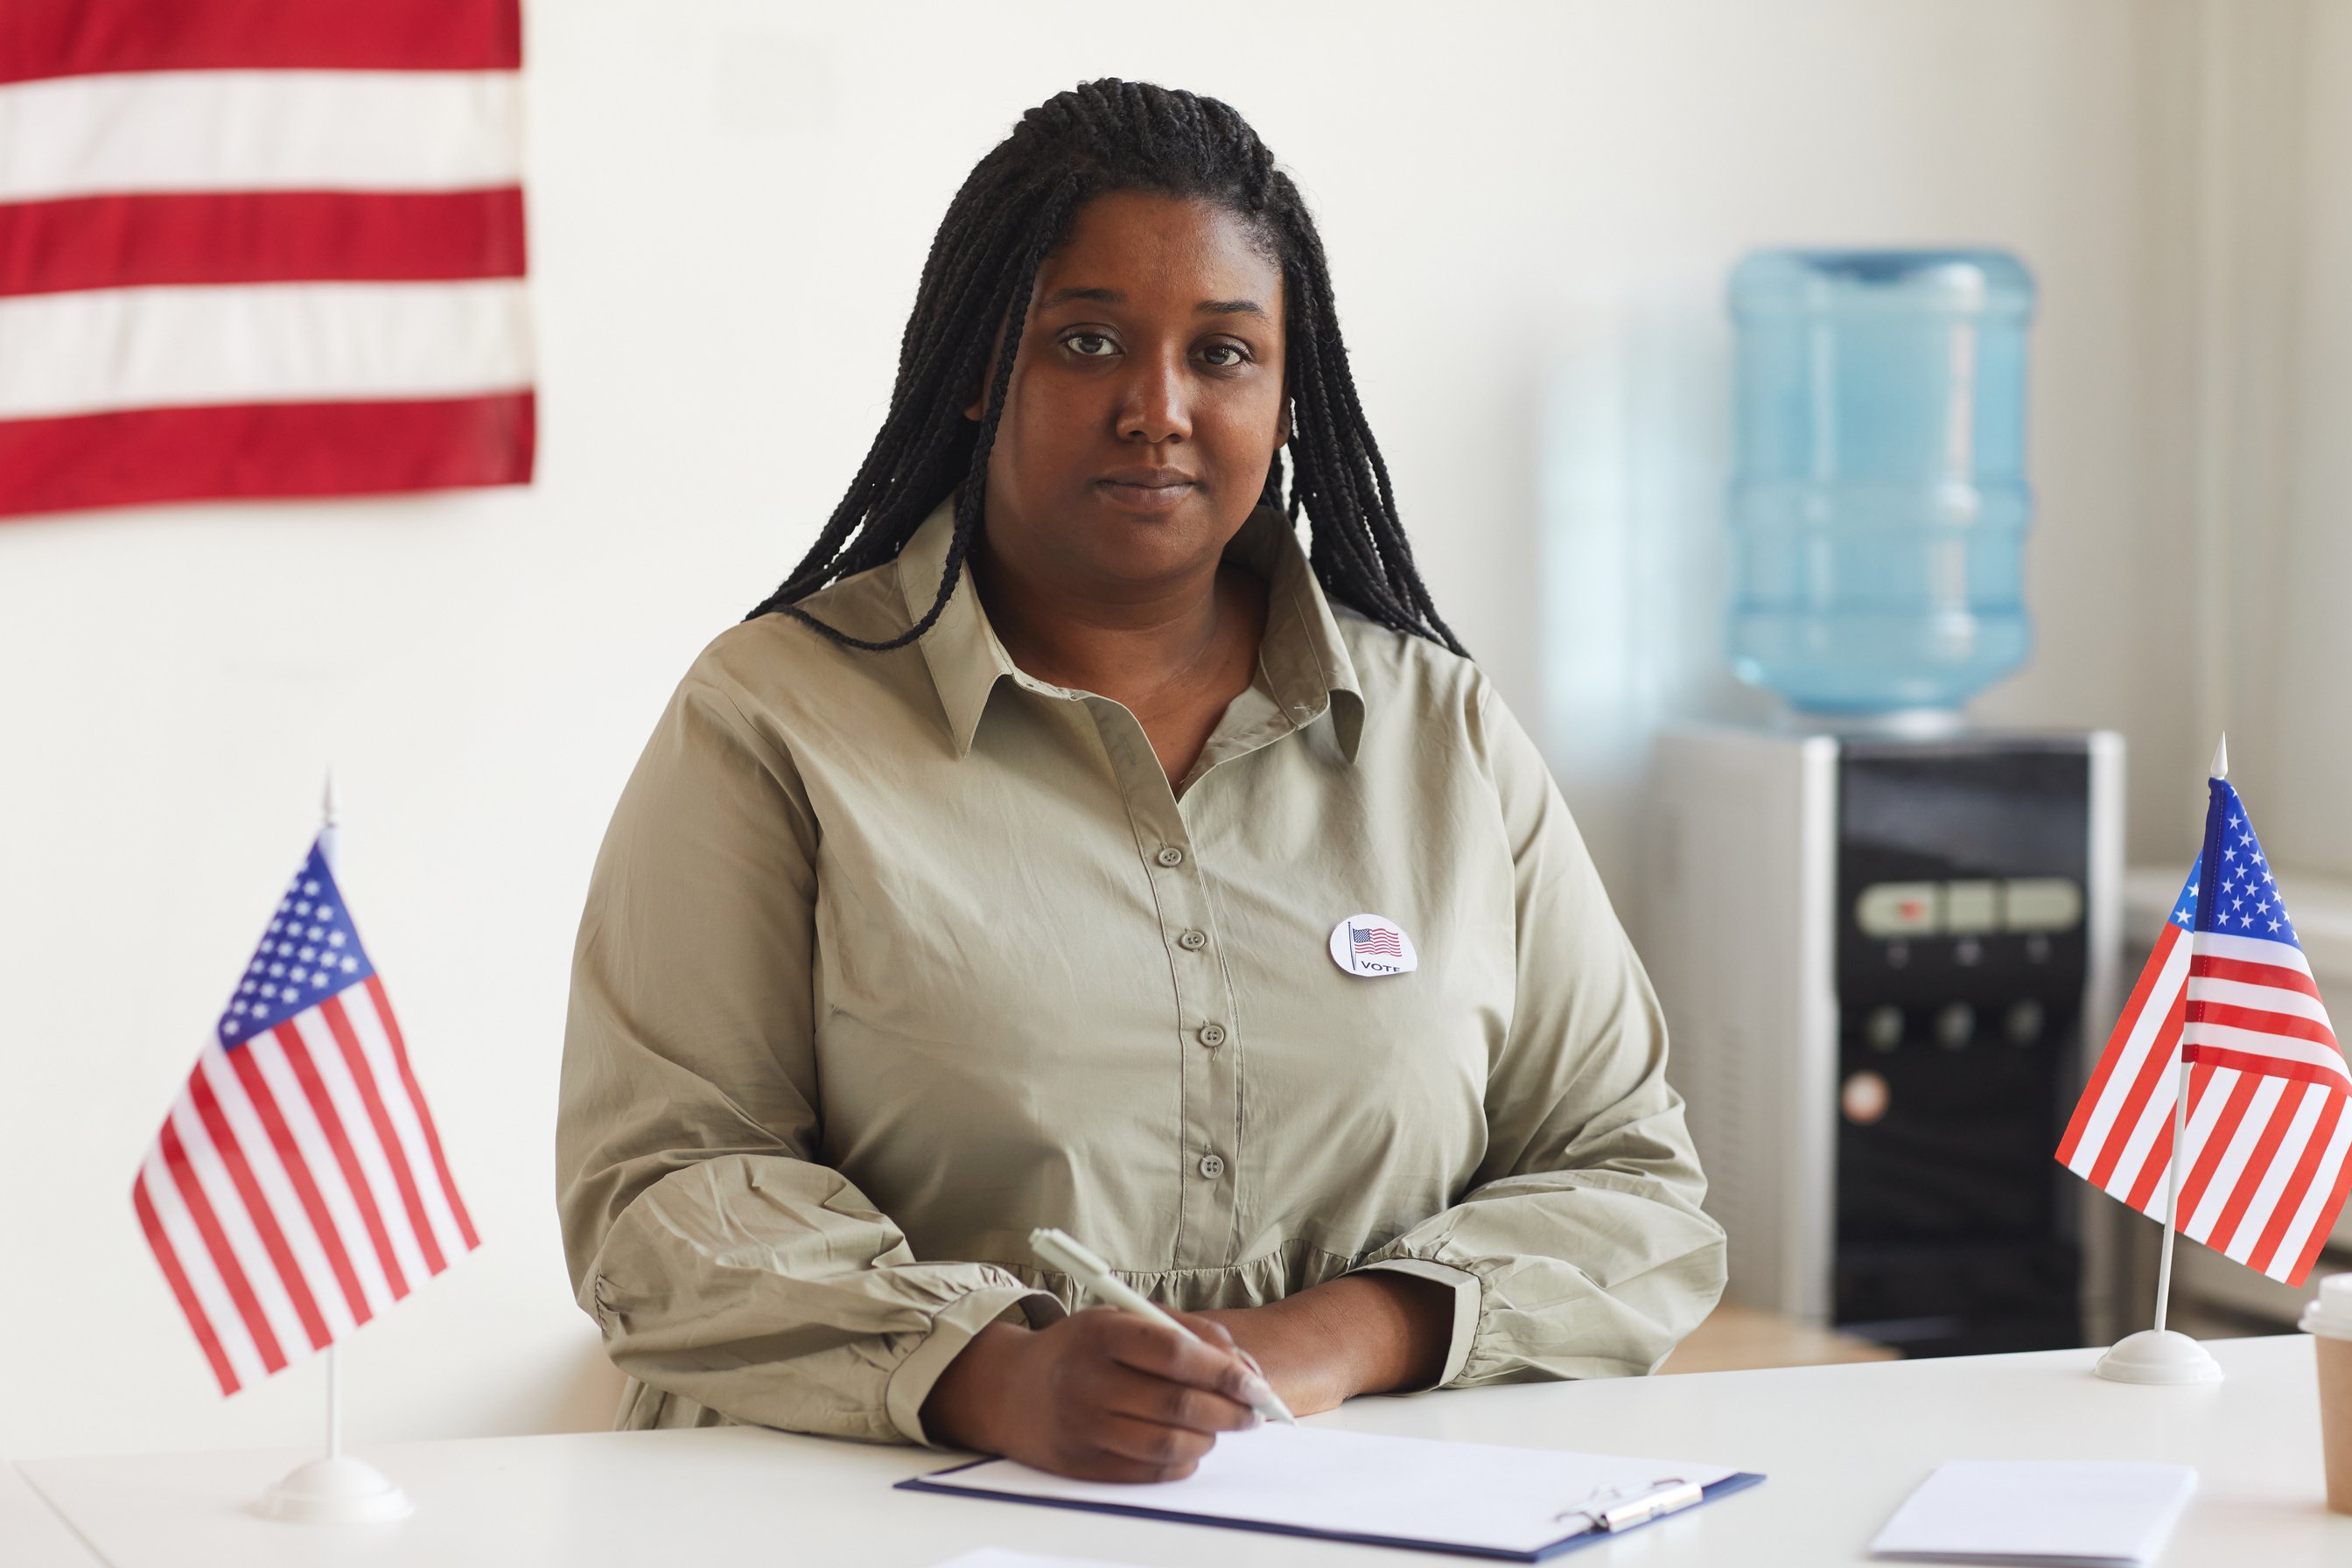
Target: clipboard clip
1624,1507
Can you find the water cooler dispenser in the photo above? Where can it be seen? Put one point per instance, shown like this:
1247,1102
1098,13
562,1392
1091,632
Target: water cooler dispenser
1880,934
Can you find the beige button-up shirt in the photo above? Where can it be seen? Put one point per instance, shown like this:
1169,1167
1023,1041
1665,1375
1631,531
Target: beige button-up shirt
889,958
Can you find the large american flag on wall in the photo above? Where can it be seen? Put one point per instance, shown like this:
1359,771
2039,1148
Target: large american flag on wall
259,247
298,1186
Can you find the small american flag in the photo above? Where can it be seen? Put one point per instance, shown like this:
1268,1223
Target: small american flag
2269,1155
1376,942
297,1187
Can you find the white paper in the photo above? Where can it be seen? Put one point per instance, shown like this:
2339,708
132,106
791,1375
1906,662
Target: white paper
998,1557
1353,1483
2067,1512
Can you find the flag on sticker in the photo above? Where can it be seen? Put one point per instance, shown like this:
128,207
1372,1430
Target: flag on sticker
260,247
2268,1154
297,1187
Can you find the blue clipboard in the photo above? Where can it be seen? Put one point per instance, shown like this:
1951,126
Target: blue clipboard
1603,1522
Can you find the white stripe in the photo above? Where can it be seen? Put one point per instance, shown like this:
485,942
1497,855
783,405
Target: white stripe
2309,1214
318,1159
376,1045
328,1057
2302,1102
2204,1110
2146,1029
2256,1042
284,1201
269,1292
2265,998
2240,1148
259,130
2140,1141
90,351
196,1262
2253,950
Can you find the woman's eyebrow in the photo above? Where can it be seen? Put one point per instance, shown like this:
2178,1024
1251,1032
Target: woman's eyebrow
1113,297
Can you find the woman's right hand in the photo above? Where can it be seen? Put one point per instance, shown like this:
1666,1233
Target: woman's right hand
1101,1396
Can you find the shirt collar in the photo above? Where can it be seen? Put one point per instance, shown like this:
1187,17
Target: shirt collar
1302,659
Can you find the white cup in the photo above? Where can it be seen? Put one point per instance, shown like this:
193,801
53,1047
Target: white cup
2329,1320
2329,1313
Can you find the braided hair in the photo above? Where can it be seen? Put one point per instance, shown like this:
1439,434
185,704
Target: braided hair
1017,205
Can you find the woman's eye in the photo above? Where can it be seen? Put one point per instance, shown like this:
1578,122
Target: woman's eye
1090,345
1240,355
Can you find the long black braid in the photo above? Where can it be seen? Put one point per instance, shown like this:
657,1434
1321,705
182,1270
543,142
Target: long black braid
1017,205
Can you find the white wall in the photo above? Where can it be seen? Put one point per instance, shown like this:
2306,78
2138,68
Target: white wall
1530,209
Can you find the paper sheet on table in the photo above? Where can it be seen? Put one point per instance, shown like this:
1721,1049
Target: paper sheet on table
2073,1513
1357,1486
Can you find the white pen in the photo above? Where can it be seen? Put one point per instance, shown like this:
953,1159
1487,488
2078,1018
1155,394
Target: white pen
1064,1251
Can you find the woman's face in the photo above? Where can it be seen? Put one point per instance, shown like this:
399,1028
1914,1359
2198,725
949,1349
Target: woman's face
1146,402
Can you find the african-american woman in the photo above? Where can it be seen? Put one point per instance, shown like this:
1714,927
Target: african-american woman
1064,845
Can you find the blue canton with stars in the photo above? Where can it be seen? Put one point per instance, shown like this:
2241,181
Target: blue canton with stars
2245,901
310,951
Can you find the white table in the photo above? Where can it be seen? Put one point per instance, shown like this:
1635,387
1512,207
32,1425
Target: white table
1841,1446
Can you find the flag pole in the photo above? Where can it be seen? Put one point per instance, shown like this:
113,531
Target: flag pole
337,1490
330,813
2159,1355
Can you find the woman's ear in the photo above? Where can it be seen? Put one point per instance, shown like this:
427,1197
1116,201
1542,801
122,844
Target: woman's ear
1282,426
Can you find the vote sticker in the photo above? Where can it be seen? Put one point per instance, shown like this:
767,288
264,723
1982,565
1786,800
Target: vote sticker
1372,945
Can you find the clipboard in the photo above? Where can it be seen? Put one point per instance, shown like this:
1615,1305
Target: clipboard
1511,1505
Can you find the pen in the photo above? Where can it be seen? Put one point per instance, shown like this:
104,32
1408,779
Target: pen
1064,1251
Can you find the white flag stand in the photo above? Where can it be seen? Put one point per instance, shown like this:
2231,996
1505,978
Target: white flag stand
2160,1355
337,1490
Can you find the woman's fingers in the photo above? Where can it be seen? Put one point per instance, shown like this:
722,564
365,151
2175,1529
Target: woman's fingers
1167,1452
1148,1347
1143,1397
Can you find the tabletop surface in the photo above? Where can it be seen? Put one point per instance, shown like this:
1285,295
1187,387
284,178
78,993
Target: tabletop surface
1841,1446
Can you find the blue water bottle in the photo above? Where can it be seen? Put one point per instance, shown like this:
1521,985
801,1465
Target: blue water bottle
1878,499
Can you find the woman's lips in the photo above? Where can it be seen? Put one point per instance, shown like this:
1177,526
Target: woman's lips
1157,496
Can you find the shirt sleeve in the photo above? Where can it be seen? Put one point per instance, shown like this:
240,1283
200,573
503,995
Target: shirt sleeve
723,1259
1580,1248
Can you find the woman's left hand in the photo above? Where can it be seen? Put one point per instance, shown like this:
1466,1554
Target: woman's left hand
1362,1334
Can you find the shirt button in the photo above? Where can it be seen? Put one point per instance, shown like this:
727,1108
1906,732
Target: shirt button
1212,1035
1171,855
1193,941
1213,1166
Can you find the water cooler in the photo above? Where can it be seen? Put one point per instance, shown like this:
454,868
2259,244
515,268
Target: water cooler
1881,934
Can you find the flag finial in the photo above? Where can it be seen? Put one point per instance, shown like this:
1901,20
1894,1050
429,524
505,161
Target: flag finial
330,806
2220,768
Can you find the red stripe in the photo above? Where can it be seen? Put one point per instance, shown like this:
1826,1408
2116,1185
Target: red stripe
364,1078
177,1278
2200,1175
80,37
298,1170
2299,1185
297,1057
2289,1026
2270,1066
2159,1153
259,236
147,455
2323,1223
424,1117
2224,1230
2152,1070
256,1208
2207,967
232,1273
2118,1039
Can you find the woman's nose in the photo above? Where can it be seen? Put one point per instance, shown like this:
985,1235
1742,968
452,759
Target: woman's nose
1155,408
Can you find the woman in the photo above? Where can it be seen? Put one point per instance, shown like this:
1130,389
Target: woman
1063,845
